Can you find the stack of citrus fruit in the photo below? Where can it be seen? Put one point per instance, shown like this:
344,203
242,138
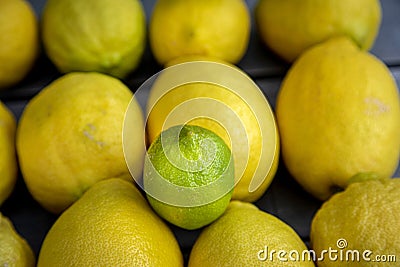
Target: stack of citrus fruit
124,179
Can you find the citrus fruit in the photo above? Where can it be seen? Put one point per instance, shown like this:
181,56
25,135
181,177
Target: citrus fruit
110,225
189,176
247,236
70,136
223,99
189,27
19,41
290,27
101,36
361,224
338,113
8,159
14,250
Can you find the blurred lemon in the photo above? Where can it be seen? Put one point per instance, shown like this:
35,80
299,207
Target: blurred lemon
247,236
189,176
110,225
290,27
223,99
14,250
364,217
189,27
8,160
102,36
70,136
338,112
19,41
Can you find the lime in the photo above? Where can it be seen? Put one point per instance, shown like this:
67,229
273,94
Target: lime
189,176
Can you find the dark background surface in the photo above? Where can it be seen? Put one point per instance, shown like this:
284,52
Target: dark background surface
284,198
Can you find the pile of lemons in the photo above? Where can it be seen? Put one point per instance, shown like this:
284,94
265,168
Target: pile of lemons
207,144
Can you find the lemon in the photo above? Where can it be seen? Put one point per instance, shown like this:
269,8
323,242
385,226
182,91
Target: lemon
189,27
338,113
290,27
19,41
70,136
223,99
14,250
361,224
110,225
199,166
247,236
8,160
102,36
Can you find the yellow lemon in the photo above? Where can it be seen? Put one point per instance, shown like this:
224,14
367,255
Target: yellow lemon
110,225
360,225
102,36
19,41
190,27
8,160
290,27
70,136
247,236
223,99
338,112
189,176
14,250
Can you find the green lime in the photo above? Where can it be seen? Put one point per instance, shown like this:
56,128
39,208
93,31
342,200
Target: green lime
189,176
